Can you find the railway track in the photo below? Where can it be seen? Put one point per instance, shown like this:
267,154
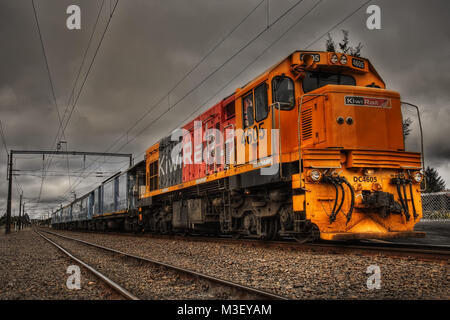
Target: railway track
218,287
417,251
399,250
110,283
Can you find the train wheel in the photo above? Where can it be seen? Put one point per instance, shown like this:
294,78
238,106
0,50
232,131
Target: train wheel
152,224
302,238
165,227
275,228
310,236
269,228
236,235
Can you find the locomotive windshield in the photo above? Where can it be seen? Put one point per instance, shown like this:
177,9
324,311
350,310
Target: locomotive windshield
314,80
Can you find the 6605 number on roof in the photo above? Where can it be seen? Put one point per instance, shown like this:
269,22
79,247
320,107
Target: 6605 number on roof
358,63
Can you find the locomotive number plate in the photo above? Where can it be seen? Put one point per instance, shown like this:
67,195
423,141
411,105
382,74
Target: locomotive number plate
364,179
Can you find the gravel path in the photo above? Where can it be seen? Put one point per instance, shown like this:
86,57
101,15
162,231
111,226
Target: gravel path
299,275
32,268
142,279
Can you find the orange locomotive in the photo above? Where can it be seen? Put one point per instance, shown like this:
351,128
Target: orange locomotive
313,147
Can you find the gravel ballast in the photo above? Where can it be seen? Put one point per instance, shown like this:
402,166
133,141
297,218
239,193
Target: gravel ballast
31,268
296,274
144,280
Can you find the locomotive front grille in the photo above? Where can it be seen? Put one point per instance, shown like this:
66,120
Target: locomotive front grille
383,159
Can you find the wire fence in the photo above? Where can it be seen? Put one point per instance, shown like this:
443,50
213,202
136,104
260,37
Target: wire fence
436,205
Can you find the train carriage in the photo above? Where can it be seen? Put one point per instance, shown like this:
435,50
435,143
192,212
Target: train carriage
114,202
80,209
66,216
76,214
55,219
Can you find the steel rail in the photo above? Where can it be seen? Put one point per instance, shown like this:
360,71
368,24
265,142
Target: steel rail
246,290
116,287
438,253
427,252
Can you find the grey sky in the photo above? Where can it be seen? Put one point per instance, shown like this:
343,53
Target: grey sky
150,45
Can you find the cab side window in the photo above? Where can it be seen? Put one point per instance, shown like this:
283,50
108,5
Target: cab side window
262,109
283,92
247,112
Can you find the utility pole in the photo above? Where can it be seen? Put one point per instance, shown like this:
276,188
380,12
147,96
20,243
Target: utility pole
23,214
8,206
20,212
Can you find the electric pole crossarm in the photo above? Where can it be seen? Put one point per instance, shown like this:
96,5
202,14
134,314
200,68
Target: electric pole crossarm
73,153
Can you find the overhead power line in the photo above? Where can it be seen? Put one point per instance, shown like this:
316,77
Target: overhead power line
338,24
63,127
46,63
51,86
213,49
79,71
91,64
209,76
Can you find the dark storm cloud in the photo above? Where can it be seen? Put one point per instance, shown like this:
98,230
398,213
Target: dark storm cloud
150,45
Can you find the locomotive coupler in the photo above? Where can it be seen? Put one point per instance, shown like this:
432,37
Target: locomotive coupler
382,202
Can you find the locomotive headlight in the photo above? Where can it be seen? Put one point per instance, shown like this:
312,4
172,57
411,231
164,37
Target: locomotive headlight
417,177
334,59
315,175
369,172
343,59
